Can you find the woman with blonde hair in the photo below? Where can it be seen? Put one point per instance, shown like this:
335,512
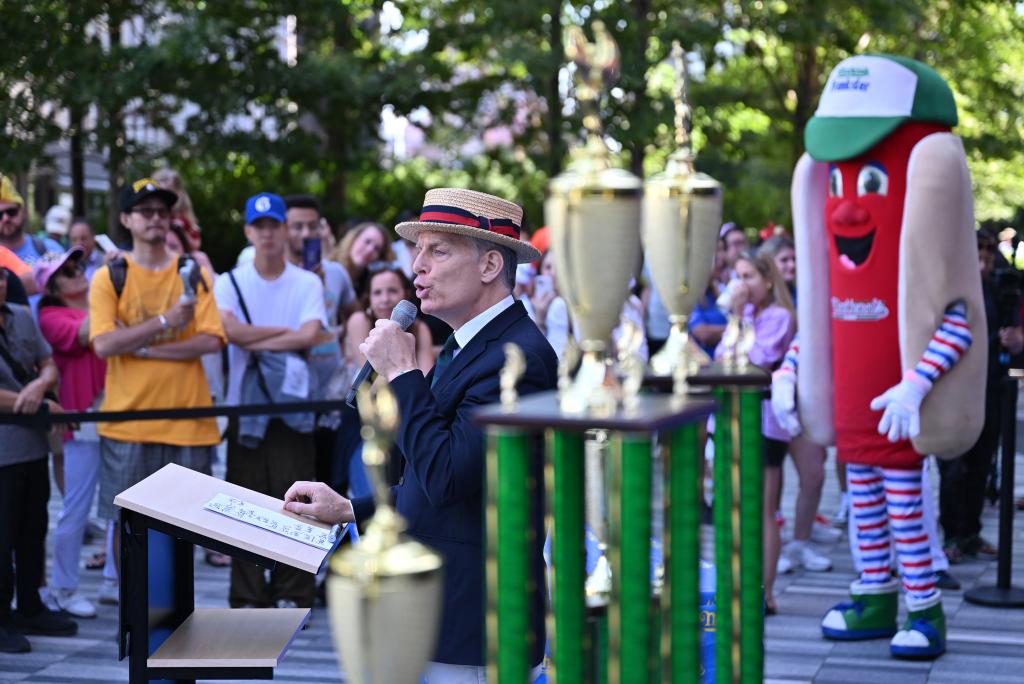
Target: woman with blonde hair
761,298
364,244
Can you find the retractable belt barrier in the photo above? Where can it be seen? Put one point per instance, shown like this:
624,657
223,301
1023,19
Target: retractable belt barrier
44,419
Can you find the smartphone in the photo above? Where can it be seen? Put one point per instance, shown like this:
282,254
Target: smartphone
310,252
542,284
105,243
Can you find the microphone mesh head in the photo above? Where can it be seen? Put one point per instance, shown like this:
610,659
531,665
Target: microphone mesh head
404,314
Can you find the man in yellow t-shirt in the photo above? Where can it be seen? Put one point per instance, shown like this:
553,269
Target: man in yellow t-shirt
152,339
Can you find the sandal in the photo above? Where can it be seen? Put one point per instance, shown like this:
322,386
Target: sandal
217,559
953,553
979,548
96,561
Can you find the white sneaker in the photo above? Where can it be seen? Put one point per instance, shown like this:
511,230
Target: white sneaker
822,533
70,601
110,592
842,514
784,566
800,554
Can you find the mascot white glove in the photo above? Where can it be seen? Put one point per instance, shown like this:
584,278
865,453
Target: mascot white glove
784,401
902,405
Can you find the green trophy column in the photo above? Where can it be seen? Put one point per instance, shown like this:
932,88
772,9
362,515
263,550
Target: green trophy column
680,639
722,515
567,624
752,542
630,618
508,553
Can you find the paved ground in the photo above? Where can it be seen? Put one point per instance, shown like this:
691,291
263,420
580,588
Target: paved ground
985,645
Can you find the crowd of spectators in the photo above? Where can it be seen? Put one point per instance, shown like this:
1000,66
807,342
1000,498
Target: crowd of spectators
151,324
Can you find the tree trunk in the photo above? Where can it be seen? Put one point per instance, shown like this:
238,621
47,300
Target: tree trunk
641,9
806,89
115,135
77,163
553,120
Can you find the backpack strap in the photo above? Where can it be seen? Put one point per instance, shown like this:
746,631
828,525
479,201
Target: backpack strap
254,360
39,245
118,269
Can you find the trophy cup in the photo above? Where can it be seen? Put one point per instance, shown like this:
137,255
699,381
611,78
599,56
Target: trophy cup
384,594
593,211
682,210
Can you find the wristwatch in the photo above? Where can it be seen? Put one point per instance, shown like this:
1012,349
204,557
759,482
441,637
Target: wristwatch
163,322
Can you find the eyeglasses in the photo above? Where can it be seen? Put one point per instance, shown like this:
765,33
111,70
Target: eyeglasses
150,212
378,266
10,212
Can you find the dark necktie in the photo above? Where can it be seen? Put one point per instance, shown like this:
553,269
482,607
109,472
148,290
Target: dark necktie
445,358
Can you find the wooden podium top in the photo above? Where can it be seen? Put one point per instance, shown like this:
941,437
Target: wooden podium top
177,495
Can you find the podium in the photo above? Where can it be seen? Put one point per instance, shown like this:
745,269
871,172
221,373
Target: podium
161,632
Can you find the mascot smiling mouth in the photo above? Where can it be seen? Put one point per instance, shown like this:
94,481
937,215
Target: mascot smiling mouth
854,251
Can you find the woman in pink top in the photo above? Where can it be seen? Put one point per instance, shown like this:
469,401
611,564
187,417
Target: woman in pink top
761,298
64,321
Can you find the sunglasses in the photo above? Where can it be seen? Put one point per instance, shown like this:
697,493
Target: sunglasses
70,271
150,212
11,212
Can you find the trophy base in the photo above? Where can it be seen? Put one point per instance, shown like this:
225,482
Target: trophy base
589,393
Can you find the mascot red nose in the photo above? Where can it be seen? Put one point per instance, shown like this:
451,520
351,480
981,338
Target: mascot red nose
889,304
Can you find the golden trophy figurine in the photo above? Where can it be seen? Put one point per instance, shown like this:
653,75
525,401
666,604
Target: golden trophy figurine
682,211
593,210
511,372
384,594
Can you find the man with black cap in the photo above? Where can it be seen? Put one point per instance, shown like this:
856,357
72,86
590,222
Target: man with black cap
152,323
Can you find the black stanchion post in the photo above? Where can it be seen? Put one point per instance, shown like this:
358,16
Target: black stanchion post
1002,595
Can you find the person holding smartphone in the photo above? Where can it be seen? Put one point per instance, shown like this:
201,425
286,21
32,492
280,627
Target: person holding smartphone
305,249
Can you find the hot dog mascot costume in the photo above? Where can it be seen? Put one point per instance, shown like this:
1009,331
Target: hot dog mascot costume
889,304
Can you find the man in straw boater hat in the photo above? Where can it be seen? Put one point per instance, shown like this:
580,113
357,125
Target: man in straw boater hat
467,249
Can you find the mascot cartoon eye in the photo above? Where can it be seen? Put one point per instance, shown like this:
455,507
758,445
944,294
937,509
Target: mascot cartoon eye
873,180
835,181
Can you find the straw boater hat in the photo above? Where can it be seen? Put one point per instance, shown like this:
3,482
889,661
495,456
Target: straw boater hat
473,214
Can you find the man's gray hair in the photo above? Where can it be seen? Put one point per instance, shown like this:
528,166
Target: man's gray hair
509,260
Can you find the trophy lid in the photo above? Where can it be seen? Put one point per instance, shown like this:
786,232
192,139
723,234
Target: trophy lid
377,556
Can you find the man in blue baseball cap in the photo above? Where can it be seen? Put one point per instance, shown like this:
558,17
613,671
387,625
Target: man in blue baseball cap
274,307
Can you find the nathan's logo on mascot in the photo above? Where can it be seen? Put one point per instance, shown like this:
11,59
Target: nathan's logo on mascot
854,78
852,310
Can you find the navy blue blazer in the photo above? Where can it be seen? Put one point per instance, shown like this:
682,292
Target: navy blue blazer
440,492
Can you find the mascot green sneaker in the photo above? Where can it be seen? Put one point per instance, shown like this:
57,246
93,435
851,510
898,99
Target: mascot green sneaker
871,614
924,633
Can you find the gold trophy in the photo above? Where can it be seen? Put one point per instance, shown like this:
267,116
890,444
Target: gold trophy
682,211
593,211
384,594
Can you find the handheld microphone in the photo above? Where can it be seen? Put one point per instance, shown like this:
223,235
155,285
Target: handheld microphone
403,315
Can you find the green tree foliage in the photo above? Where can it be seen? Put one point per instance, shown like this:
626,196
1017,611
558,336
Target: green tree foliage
243,116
